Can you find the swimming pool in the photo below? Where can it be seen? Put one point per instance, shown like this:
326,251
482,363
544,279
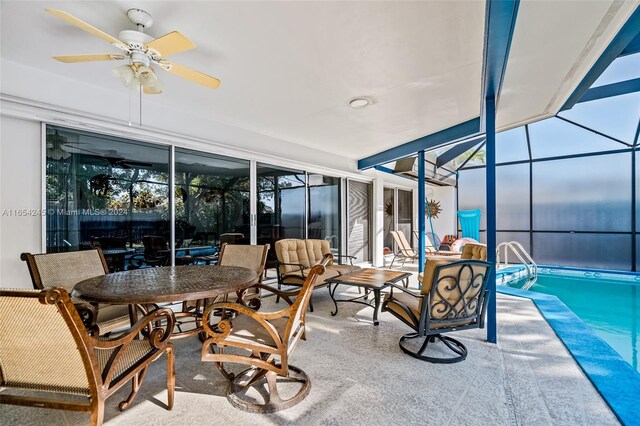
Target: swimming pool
608,303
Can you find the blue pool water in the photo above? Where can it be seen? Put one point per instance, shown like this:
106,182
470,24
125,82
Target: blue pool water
610,307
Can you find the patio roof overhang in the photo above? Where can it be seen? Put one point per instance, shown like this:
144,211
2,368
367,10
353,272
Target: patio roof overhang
615,31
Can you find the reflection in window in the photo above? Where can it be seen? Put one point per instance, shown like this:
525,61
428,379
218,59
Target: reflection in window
405,213
359,218
324,210
281,206
212,201
103,190
388,218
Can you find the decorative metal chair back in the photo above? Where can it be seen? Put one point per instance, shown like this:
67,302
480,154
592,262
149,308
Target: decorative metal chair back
457,296
403,245
64,269
38,349
252,257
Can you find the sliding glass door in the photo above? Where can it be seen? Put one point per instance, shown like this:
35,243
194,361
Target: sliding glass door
212,202
324,210
103,190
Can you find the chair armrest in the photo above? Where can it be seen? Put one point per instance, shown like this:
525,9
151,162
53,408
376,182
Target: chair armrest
346,256
88,313
157,335
299,265
405,290
158,338
224,326
283,294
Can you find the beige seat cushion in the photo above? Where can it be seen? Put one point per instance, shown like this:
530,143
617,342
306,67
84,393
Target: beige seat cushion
302,252
402,298
245,329
474,251
294,278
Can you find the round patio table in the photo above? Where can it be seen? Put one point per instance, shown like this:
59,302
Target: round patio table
151,286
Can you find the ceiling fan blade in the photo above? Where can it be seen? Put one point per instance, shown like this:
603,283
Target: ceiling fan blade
151,91
189,74
67,59
84,26
169,44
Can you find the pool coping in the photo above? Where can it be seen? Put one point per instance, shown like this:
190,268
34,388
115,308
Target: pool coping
615,379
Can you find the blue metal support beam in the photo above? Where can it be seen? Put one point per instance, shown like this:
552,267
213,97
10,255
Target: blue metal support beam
633,47
500,21
458,150
451,134
490,127
609,90
421,211
625,36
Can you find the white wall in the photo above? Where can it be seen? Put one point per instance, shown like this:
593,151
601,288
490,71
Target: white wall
20,188
446,223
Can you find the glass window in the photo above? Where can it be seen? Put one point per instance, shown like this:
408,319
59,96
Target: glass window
554,137
512,145
583,194
616,116
405,214
611,251
212,202
389,203
471,192
324,209
281,206
104,190
512,197
521,237
621,69
359,218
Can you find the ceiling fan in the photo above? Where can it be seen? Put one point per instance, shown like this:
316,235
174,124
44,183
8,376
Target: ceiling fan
114,159
141,50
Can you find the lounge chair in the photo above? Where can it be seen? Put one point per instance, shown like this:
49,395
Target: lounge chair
405,251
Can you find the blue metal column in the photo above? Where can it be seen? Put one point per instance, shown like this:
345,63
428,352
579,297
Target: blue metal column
490,117
421,211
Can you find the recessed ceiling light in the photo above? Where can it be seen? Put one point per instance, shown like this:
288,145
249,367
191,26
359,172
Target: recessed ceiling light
360,102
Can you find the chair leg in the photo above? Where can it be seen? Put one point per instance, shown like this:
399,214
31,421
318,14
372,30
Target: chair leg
171,377
136,382
454,345
97,412
278,297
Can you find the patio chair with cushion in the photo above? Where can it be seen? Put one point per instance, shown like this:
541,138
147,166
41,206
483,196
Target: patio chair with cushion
46,352
66,270
264,341
453,297
295,257
252,257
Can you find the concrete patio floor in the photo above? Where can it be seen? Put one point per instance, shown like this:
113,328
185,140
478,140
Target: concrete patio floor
359,376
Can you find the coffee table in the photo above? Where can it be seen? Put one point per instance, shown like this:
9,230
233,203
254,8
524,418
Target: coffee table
371,280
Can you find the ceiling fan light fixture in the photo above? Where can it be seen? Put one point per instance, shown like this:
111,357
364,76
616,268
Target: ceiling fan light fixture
125,74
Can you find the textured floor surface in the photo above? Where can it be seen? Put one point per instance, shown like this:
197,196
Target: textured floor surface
359,376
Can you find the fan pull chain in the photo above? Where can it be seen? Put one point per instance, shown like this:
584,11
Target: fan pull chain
140,117
130,100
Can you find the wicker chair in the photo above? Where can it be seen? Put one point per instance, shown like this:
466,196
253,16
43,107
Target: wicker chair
66,270
269,338
453,297
47,351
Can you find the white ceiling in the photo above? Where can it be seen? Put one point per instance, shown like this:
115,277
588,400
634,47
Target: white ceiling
289,68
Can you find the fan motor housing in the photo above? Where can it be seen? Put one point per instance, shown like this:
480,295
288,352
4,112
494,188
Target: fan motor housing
134,39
